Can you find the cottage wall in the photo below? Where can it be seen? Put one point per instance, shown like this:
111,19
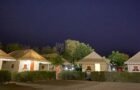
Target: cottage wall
0,64
103,66
131,67
44,67
37,65
84,67
21,65
10,65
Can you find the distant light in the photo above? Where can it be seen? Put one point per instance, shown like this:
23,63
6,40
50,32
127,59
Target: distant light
113,69
66,68
72,68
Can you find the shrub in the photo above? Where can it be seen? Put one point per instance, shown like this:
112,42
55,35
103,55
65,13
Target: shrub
34,76
5,76
134,77
122,77
102,76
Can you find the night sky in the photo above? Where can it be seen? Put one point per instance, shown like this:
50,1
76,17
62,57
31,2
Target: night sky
105,24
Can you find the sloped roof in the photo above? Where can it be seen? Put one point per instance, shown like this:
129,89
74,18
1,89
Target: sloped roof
134,60
92,57
28,54
5,57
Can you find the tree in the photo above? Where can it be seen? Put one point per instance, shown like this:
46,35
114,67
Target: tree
1,46
13,46
54,58
118,58
57,60
81,51
37,49
59,47
75,50
48,50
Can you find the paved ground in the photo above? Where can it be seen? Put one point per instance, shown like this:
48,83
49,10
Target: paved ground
15,87
82,85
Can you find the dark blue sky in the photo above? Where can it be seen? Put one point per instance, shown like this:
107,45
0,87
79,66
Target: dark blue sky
105,24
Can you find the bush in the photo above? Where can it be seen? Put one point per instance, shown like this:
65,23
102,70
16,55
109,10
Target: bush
5,76
134,77
114,76
72,75
34,76
102,76
122,77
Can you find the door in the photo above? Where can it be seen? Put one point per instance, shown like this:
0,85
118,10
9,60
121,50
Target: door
97,67
32,66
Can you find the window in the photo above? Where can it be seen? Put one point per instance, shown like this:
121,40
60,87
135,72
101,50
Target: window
43,67
25,67
12,66
88,68
135,68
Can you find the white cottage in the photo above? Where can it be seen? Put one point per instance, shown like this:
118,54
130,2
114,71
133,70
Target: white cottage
28,60
133,64
4,57
95,62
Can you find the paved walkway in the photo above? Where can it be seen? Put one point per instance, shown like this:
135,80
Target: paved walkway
87,86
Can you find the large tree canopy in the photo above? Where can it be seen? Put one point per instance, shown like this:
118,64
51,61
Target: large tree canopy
55,59
75,50
118,58
48,50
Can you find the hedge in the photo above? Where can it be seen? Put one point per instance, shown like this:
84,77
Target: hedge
34,76
102,76
71,75
5,76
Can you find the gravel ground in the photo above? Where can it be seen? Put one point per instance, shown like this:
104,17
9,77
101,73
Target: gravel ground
82,85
